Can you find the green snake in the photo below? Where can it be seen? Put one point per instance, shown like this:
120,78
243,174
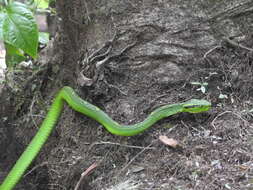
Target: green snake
67,94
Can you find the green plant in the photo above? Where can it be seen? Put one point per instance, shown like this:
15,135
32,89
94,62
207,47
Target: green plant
42,4
202,86
19,31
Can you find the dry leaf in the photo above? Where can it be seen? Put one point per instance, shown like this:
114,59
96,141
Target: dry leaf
169,141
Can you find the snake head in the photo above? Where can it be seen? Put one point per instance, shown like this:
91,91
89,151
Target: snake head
196,106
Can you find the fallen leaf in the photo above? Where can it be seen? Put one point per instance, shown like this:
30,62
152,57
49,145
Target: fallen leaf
242,167
169,141
137,169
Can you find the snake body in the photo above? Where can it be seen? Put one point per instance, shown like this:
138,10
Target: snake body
67,94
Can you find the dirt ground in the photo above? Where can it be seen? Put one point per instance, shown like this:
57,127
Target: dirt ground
145,70
215,147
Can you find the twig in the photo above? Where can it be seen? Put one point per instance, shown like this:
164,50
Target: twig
85,173
124,145
34,168
34,75
130,162
235,44
210,51
56,186
31,111
225,112
115,87
87,11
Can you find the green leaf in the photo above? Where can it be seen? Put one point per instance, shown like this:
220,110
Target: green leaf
20,28
43,37
42,4
13,55
11,50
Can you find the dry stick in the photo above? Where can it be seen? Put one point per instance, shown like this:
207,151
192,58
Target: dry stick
93,166
124,145
56,185
34,75
115,87
31,111
34,168
235,44
87,10
85,173
239,116
210,51
130,162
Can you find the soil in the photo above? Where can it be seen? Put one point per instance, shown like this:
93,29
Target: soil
152,61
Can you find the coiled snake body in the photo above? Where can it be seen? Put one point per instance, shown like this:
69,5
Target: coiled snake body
67,94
